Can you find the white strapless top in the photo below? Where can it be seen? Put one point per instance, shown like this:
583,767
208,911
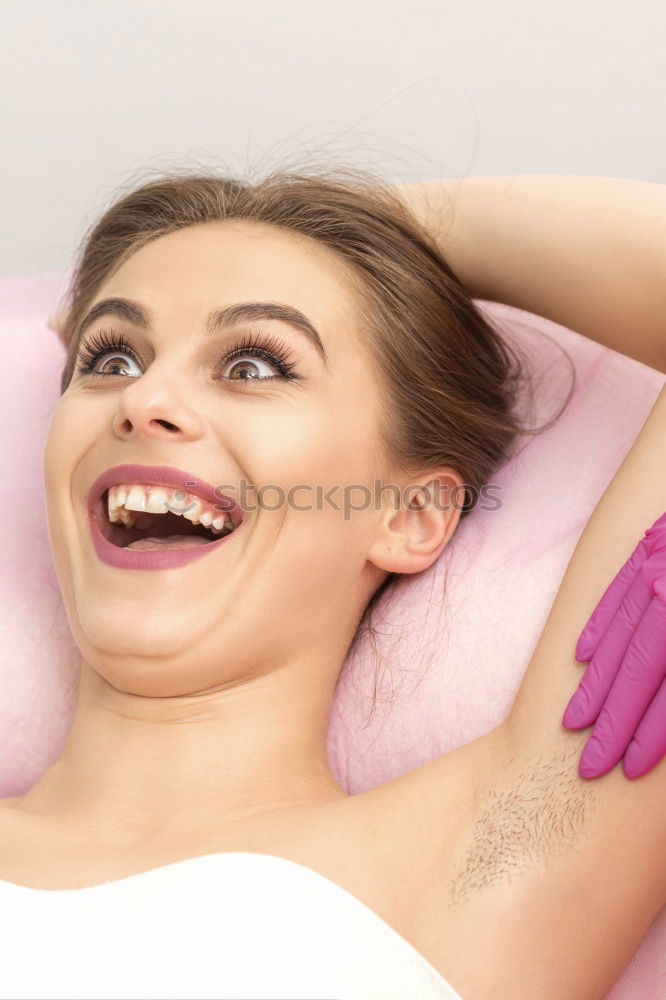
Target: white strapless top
231,926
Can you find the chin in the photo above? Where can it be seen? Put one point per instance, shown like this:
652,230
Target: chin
150,677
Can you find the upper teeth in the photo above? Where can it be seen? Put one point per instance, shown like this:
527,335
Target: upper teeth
159,500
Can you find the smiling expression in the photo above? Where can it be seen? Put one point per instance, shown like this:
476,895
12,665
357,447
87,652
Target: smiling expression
185,392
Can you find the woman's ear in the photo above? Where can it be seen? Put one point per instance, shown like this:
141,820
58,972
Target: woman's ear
57,323
417,521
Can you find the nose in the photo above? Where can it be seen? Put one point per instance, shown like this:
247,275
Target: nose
156,408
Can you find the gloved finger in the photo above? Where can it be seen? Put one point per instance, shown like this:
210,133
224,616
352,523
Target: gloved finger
654,567
640,677
590,695
657,527
610,602
648,746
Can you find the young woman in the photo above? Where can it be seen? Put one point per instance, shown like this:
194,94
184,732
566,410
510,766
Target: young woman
306,334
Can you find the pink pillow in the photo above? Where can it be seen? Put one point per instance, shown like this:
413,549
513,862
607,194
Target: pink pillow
436,629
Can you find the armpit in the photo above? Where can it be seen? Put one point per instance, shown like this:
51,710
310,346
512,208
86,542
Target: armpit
535,815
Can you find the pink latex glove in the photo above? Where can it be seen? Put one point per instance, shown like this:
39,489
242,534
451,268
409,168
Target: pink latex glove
624,685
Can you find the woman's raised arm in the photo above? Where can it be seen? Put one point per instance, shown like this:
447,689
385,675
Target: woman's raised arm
586,252
552,879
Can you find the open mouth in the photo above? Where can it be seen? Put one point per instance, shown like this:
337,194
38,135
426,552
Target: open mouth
153,531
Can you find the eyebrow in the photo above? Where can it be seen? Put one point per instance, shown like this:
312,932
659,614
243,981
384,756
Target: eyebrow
216,321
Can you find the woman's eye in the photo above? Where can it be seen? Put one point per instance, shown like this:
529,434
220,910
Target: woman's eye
246,369
114,365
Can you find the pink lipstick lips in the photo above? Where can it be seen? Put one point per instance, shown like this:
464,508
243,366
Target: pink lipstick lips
156,475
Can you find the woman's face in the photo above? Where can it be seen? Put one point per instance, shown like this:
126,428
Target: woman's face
288,584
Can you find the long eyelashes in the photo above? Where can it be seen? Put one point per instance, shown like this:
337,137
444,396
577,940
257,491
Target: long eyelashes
265,346
253,344
91,349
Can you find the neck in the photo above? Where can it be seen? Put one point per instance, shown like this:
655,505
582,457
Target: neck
136,767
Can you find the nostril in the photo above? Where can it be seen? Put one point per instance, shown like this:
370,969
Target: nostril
169,427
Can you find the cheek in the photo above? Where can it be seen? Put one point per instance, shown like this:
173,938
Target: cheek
312,475
56,452
320,445
65,443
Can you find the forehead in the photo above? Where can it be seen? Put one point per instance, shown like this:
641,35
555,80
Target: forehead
201,267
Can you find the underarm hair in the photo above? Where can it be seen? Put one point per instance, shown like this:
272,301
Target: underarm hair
536,816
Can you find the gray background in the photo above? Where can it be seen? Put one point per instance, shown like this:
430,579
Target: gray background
97,91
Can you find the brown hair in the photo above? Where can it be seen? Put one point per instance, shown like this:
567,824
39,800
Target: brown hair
449,382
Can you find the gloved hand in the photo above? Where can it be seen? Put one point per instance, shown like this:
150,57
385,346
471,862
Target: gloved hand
624,685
